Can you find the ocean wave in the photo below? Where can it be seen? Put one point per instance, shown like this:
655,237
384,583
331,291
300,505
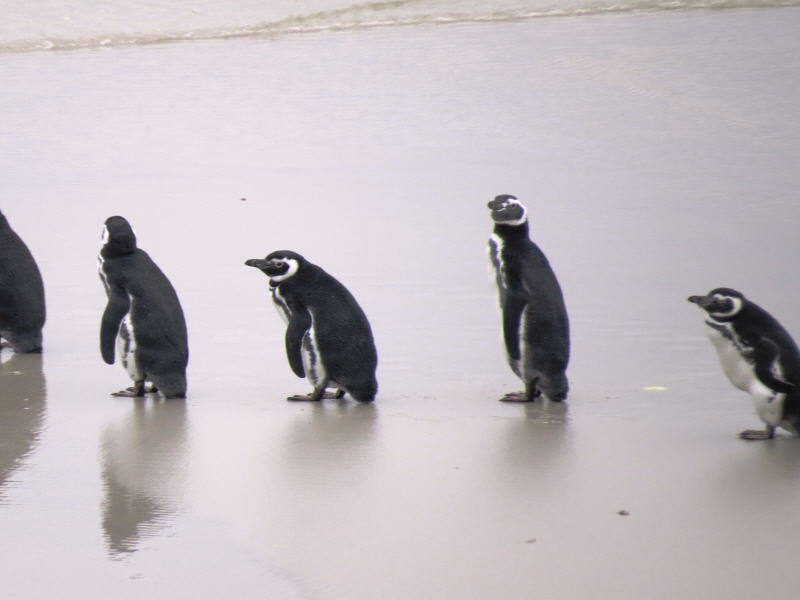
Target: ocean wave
49,29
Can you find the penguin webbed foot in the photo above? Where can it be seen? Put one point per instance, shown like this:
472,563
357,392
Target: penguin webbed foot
136,391
758,434
317,395
531,393
517,397
312,397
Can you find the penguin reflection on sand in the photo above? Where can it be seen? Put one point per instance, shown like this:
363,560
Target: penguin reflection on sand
143,318
758,355
328,337
534,318
22,309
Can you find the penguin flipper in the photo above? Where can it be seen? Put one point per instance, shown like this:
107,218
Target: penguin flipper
513,308
118,306
766,352
299,324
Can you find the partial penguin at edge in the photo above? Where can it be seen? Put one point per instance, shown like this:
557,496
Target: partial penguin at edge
22,303
757,355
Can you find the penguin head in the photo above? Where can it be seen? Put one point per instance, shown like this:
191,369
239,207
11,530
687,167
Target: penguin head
279,265
118,237
722,304
507,210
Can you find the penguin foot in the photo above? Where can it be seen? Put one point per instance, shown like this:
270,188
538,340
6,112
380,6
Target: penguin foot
135,391
152,390
312,397
316,396
516,397
757,434
128,393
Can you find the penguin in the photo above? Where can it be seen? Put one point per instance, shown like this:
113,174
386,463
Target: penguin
758,356
328,337
534,318
22,306
143,319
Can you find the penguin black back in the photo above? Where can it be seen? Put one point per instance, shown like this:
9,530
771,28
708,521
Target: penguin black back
22,304
328,337
143,315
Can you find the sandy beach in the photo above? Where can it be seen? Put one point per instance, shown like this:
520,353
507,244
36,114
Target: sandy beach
657,155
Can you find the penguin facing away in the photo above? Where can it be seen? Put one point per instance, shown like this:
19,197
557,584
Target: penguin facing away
758,356
534,318
143,319
22,306
328,337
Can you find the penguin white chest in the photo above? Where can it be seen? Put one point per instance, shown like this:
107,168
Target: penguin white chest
497,268
500,275
126,349
733,357
280,305
312,360
739,367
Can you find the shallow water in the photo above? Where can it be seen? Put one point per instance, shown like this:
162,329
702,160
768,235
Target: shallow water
657,155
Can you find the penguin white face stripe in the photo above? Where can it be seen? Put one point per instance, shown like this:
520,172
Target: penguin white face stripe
737,306
522,219
104,236
293,266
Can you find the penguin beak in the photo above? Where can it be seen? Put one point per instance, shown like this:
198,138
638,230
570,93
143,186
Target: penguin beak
258,263
701,301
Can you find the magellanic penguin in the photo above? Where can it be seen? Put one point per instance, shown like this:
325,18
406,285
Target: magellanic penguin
143,318
534,318
22,308
758,355
328,337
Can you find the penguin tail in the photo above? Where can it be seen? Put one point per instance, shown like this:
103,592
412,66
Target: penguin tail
172,385
363,391
555,387
24,342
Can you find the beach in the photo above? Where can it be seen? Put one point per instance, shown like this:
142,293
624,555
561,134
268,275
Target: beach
656,152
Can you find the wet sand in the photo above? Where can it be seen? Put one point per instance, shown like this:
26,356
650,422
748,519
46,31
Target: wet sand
657,156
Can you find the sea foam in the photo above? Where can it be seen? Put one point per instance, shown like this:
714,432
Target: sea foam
51,25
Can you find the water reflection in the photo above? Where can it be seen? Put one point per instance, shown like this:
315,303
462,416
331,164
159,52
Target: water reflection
535,445
144,461
327,441
23,394
761,473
